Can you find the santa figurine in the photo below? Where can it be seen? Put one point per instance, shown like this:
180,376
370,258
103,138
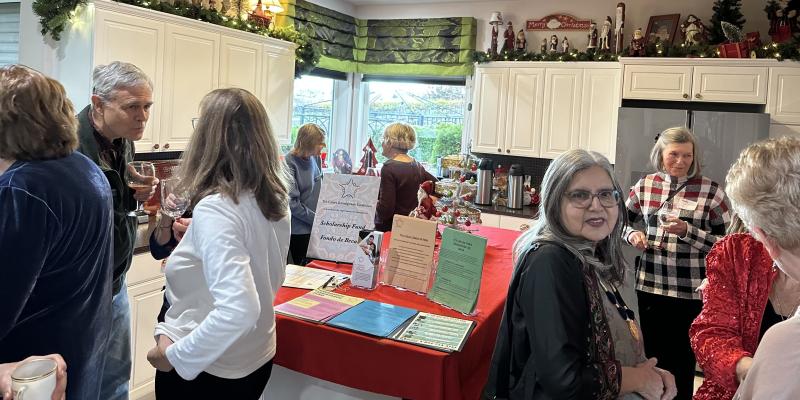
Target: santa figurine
521,43
694,32
618,28
426,195
565,45
543,47
637,44
509,37
553,44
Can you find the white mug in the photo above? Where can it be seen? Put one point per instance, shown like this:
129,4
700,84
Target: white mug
34,379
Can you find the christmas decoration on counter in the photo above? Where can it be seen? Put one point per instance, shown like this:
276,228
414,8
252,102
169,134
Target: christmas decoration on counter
738,44
729,11
637,44
557,22
783,22
448,202
694,31
509,38
543,48
341,162
54,15
368,160
618,28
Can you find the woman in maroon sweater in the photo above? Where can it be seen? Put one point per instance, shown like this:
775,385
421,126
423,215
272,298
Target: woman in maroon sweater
401,175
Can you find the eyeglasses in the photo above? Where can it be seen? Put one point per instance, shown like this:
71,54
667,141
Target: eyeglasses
584,198
195,120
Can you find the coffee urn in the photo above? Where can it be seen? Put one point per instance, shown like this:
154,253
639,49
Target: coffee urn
516,178
485,181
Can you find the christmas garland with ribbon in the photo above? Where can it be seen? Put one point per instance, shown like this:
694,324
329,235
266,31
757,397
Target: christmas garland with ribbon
54,15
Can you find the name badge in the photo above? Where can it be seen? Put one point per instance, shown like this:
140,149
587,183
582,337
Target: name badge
686,204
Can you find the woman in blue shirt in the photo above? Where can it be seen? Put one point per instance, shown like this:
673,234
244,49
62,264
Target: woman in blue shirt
304,165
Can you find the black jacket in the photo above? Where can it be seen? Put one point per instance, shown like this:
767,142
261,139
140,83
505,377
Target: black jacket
124,225
547,344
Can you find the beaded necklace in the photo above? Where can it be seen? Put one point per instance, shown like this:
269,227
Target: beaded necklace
626,313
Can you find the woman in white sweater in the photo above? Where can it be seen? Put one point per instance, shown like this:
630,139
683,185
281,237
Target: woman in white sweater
218,337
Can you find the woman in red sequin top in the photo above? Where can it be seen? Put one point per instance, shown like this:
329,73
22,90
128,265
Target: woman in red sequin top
740,276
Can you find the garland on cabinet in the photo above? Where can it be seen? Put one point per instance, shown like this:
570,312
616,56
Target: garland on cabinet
780,51
54,15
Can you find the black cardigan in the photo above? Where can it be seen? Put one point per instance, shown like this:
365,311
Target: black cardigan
548,346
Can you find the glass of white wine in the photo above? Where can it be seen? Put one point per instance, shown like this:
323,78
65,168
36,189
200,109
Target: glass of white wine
174,200
139,176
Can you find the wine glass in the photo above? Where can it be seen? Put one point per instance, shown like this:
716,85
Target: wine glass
666,213
139,175
174,200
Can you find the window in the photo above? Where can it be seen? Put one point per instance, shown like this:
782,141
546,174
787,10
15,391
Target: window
435,111
9,33
313,102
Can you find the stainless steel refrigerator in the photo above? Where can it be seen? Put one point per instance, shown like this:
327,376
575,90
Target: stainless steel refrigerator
721,135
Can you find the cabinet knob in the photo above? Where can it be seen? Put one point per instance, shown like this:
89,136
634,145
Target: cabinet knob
698,96
166,145
508,151
156,146
686,95
499,150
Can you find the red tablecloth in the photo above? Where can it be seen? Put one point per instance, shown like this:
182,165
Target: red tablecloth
394,368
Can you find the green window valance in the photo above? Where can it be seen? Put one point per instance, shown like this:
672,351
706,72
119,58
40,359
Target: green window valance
432,46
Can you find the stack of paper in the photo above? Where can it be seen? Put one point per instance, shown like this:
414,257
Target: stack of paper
312,278
317,305
373,318
437,332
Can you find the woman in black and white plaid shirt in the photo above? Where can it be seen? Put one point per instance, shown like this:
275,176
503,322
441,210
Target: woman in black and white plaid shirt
683,214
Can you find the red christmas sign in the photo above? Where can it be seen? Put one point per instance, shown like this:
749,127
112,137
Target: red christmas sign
557,22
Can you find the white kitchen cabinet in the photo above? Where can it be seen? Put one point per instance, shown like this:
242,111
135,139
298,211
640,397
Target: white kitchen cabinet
538,109
784,94
562,108
489,110
139,41
524,123
145,283
191,71
700,80
600,101
185,58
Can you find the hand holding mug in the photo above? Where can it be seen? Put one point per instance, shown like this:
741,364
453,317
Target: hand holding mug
35,378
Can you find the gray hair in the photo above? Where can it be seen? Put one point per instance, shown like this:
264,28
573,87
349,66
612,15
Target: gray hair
675,135
764,187
106,79
550,228
400,136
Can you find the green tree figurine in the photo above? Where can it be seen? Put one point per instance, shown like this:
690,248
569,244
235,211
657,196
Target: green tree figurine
725,10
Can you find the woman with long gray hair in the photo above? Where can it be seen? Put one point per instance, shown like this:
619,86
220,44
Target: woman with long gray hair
567,332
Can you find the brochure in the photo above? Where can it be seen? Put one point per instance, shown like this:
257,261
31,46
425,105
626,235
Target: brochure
312,278
373,318
458,274
436,331
410,260
317,305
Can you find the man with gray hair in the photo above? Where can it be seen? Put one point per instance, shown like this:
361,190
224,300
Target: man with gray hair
120,106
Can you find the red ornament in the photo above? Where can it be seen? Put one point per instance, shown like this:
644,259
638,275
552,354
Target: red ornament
462,179
438,214
444,209
456,213
467,223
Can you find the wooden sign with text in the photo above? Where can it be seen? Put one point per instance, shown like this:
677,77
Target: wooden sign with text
558,22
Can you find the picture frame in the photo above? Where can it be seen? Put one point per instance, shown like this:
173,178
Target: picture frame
663,27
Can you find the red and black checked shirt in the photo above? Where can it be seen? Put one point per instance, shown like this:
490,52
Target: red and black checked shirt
671,265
